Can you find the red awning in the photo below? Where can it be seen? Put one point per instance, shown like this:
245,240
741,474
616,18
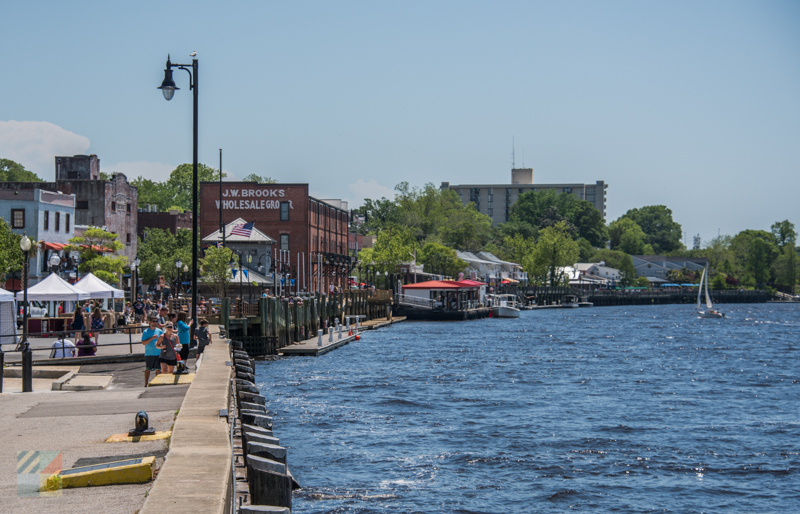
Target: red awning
61,246
472,283
444,284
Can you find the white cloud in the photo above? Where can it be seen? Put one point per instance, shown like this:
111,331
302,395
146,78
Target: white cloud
34,144
361,189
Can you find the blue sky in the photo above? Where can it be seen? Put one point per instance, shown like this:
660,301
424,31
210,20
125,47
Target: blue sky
695,105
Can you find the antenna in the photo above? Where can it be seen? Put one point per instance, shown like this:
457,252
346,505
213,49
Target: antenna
513,164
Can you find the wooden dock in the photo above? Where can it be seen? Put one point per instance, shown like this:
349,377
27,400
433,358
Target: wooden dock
310,347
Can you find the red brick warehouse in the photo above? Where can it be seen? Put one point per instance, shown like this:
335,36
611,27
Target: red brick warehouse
311,229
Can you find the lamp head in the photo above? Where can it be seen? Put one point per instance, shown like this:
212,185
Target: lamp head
158,268
55,260
185,268
25,243
178,264
167,86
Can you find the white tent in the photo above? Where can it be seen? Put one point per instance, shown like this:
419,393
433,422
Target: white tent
97,288
8,317
54,289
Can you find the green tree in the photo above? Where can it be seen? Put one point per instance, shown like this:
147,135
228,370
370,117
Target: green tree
392,247
11,171
216,269
754,259
106,266
261,180
617,260
627,236
378,214
585,250
784,233
176,191
537,208
440,260
161,247
785,267
554,250
11,256
663,233
589,222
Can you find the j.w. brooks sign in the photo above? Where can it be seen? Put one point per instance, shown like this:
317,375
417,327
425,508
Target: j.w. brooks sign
253,199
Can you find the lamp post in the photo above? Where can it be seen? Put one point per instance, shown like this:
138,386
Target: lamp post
185,269
54,261
135,278
168,88
27,355
158,286
178,264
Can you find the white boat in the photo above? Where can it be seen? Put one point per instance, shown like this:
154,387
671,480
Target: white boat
570,302
503,305
709,312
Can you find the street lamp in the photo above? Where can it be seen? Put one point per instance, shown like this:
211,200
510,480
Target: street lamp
54,261
178,265
134,289
158,285
185,269
168,88
27,354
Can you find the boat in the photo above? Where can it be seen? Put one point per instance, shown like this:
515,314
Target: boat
503,305
570,301
709,312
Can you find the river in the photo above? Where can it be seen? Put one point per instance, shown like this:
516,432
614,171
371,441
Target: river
625,409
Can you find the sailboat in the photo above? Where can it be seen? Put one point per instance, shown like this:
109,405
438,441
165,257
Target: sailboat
710,312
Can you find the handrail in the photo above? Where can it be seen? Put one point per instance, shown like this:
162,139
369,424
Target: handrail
415,301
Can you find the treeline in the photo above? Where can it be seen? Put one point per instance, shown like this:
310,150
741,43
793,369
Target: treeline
547,231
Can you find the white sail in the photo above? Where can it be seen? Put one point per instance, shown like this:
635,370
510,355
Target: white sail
699,289
708,298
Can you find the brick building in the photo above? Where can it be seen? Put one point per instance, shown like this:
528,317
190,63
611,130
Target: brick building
311,233
98,203
172,221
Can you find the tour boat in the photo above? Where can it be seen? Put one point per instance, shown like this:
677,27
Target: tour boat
503,305
710,312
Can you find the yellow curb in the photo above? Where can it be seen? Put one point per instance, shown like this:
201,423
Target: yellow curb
111,473
170,379
125,438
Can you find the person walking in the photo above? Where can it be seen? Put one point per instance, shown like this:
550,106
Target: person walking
202,336
167,343
78,321
97,323
183,336
152,354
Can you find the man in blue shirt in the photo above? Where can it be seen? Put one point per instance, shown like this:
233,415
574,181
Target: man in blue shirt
151,353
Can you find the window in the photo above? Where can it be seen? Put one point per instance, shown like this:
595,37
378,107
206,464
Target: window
17,218
284,241
58,221
82,204
47,220
590,194
566,190
128,238
113,206
128,208
284,211
66,222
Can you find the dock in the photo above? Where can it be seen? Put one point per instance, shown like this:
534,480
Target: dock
311,347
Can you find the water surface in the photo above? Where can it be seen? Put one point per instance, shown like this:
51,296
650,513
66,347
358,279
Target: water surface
612,409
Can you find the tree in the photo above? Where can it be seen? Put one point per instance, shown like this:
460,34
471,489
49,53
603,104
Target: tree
617,260
11,256
554,250
663,233
537,208
784,233
261,180
589,222
90,245
11,171
754,259
785,267
216,269
440,260
177,190
585,250
392,247
161,247
627,236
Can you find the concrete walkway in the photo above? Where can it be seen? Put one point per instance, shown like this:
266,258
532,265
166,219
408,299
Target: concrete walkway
196,476
76,423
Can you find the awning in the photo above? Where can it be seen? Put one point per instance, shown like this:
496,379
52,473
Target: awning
97,288
60,246
509,281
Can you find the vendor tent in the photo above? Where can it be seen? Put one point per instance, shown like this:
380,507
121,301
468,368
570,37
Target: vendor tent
8,317
54,289
97,288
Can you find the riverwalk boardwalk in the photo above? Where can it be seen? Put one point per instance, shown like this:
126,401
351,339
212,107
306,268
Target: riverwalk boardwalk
313,348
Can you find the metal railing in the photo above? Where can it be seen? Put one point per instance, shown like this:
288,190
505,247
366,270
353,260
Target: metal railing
414,301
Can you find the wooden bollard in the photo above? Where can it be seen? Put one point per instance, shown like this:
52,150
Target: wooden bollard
269,483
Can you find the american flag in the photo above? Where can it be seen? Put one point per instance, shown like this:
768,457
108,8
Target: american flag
243,229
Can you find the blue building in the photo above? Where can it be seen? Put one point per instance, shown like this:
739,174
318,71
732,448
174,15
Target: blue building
44,216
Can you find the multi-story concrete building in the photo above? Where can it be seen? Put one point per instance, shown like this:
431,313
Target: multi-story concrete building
109,204
495,200
42,216
310,234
